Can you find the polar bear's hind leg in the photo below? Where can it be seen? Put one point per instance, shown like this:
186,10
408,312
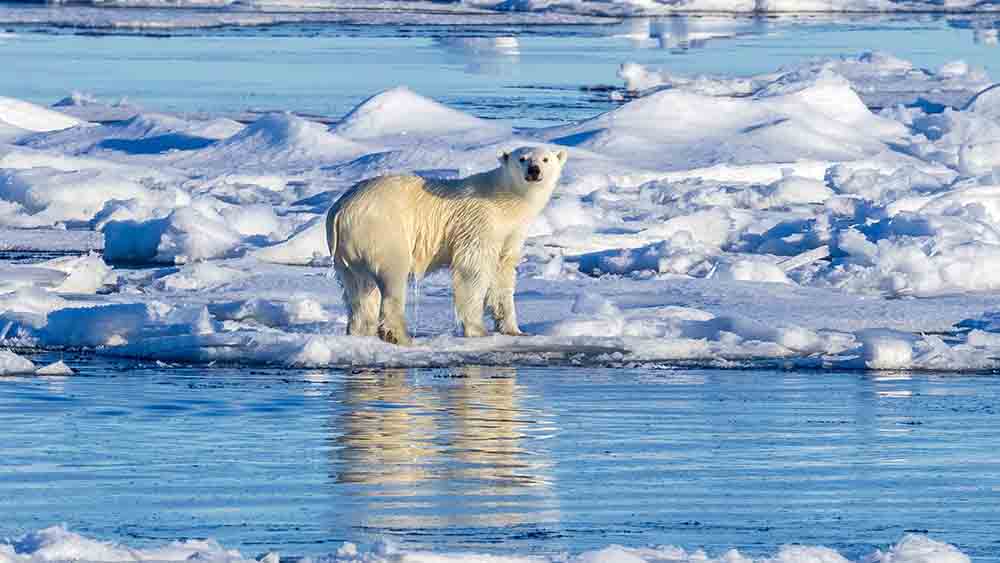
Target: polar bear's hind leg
363,301
394,285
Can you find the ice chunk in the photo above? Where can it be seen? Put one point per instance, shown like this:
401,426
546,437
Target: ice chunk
887,352
12,364
750,270
306,246
30,117
183,236
52,196
199,275
56,369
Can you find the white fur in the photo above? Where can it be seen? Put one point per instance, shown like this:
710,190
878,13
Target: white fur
385,229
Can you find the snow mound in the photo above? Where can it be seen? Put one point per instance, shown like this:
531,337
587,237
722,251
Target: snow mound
400,113
141,134
819,119
278,138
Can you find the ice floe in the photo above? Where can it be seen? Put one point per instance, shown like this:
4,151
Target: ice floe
779,219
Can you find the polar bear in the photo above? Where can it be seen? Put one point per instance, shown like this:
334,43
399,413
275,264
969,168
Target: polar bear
385,229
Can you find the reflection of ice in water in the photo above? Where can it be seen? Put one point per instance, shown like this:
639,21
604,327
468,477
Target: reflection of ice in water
685,32
481,55
984,30
696,32
986,37
635,30
503,46
442,454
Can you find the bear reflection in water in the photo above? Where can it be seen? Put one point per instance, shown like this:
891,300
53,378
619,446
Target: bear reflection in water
435,448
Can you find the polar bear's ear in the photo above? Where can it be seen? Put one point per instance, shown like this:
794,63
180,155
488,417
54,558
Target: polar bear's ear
503,156
562,155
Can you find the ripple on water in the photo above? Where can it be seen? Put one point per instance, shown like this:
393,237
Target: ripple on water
504,459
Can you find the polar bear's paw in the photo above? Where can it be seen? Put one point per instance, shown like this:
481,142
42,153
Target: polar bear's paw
394,336
512,332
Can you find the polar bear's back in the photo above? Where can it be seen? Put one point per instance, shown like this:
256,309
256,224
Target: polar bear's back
384,219
389,218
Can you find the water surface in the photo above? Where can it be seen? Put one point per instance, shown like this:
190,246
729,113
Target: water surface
530,74
502,460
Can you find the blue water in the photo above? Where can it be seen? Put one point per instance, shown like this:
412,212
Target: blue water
540,78
502,460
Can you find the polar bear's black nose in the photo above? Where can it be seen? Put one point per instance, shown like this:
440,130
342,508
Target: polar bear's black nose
534,172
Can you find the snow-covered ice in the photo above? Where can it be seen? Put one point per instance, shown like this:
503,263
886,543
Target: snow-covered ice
879,78
59,544
715,221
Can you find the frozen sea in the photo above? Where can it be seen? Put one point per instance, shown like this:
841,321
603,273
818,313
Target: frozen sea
206,395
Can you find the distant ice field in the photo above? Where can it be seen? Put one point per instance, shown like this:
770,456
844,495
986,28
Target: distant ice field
530,68
439,464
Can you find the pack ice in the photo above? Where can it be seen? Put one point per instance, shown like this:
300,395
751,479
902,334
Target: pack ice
721,221
59,544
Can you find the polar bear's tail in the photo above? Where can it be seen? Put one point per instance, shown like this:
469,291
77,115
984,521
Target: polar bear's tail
331,229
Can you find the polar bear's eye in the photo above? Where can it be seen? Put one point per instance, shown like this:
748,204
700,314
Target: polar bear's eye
546,159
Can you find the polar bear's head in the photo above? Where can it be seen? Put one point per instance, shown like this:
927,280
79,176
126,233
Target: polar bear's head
531,167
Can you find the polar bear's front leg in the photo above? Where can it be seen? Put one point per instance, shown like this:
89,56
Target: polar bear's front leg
501,295
472,276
